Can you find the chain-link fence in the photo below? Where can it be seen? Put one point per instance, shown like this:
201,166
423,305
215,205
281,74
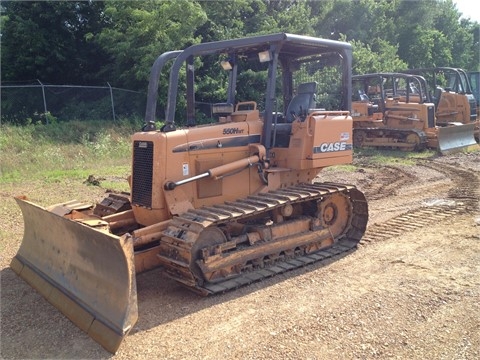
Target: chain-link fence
33,102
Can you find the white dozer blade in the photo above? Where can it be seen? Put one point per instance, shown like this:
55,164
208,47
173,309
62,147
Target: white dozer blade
452,139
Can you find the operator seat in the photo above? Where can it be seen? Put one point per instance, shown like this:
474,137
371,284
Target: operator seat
363,96
302,101
298,106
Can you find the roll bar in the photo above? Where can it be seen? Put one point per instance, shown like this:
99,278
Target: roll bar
283,48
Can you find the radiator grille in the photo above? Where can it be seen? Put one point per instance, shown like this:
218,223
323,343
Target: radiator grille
142,173
431,117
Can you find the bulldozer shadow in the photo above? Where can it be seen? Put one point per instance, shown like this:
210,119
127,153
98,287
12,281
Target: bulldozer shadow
161,301
32,328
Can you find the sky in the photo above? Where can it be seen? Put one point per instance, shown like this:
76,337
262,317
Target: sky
469,9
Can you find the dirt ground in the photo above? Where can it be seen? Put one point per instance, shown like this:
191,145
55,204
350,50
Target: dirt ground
410,291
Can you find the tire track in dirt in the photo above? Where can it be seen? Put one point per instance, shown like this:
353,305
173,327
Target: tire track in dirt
466,183
463,197
388,182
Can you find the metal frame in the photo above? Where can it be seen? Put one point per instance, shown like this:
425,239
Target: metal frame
284,48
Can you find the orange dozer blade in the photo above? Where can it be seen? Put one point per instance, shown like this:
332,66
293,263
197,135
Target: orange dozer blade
88,274
452,139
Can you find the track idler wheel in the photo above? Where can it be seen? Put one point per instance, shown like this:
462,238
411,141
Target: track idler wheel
204,246
334,213
414,141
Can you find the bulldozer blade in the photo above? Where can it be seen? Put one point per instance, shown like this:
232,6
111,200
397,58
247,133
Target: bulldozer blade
452,139
88,274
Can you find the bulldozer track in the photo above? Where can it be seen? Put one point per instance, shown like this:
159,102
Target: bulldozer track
464,196
186,229
400,138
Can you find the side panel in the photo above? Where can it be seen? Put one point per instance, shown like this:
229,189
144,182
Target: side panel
188,153
402,115
453,107
332,139
321,140
209,146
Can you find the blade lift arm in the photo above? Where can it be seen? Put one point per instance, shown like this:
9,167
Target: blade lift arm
258,158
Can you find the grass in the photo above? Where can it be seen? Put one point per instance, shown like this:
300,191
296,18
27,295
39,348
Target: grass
62,150
391,157
346,168
371,156
78,149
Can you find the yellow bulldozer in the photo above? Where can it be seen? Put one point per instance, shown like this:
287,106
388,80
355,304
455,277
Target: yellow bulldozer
394,110
451,89
218,205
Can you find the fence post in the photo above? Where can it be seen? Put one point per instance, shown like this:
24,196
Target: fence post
111,99
44,101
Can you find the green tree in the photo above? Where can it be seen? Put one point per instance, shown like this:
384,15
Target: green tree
428,48
474,63
431,33
92,42
139,31
289,16
381,56
361,20
47,40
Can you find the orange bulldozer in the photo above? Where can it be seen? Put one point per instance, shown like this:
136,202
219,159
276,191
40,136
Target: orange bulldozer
216,205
